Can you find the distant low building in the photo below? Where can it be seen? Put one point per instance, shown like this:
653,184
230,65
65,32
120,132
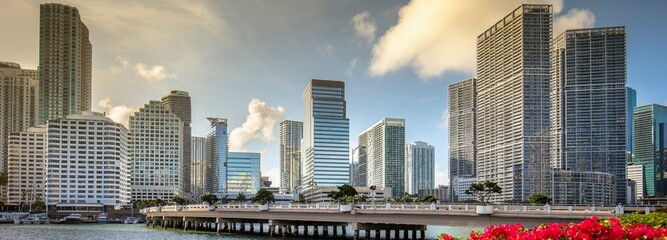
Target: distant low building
441,193
460,186
320,193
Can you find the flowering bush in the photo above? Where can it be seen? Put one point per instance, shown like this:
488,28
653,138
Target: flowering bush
591,228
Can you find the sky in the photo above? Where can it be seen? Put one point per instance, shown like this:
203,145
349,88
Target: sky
250,61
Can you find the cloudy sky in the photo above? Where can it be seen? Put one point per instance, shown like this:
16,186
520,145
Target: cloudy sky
249,61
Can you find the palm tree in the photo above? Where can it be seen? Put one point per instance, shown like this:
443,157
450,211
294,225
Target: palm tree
241,198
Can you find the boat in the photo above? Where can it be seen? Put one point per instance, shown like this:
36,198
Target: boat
131,220
102,219
73,218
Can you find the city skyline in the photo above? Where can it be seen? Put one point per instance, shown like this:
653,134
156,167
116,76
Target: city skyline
121,75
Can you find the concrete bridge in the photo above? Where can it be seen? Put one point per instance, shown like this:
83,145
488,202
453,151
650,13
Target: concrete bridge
400,219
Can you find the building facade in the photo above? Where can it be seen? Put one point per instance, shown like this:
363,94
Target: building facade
243,172
459,186
650,125
88,161
156,147
636,174
326,135
419,167
178,103
576,187
216,154
26,170
382,148
631,103
291,133
588,99
65,60
462,131
198,165
513,102
441,193
19,93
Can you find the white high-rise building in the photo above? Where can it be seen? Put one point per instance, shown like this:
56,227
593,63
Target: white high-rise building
419,167
513,102
291,133
19,92
462,109
178,103
156,147
88,161
26,165
382,148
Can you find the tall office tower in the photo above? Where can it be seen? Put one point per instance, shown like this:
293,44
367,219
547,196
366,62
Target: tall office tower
650,147
178,102
419,167
513,102
27,164
462,133
358,165
326,135
197,165
631,103
88,161
216,156
65,60
156,147
19,92
243,172
384,147
588,112
291,133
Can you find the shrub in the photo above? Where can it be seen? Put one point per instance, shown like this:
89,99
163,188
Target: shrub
653,219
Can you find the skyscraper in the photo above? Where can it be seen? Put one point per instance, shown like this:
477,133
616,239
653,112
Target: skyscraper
65,60
631,103
101,160
291,133
462,136
26,164
588,112
178,103
243,172
384,148
198,165
156,147
419,167
513,102
216,154
326,134
19,92
650,147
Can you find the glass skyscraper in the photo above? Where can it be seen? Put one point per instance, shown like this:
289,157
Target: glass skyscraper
65,60
650,125
631,100
216,153
462,136
382,148
513,102
419,167
243,172
291,133
588,112
178,102
326,135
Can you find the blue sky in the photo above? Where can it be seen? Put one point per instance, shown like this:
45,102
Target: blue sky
396,57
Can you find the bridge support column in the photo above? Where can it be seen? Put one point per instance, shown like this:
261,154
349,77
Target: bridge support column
196,225
217,226
174,222
261,228
414,234
405,234
283,230
271,230
325,231
377,233
316,232
367,235
356,234
185,225
422,234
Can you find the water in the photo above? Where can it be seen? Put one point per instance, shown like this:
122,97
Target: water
140,231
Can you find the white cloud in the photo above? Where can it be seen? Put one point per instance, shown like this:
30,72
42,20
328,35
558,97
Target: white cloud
441,176
326,48
364,26
444,120
573,19
122,65
435,37
120,114
350,70
259,125
155,73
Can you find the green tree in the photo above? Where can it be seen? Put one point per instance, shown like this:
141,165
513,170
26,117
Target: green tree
263,196
178,200
341,196
3,179
429,199
539,198
38,205
209,198
484,190
241,198
224,199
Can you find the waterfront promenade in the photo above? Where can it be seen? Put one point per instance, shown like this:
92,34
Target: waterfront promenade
377,221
